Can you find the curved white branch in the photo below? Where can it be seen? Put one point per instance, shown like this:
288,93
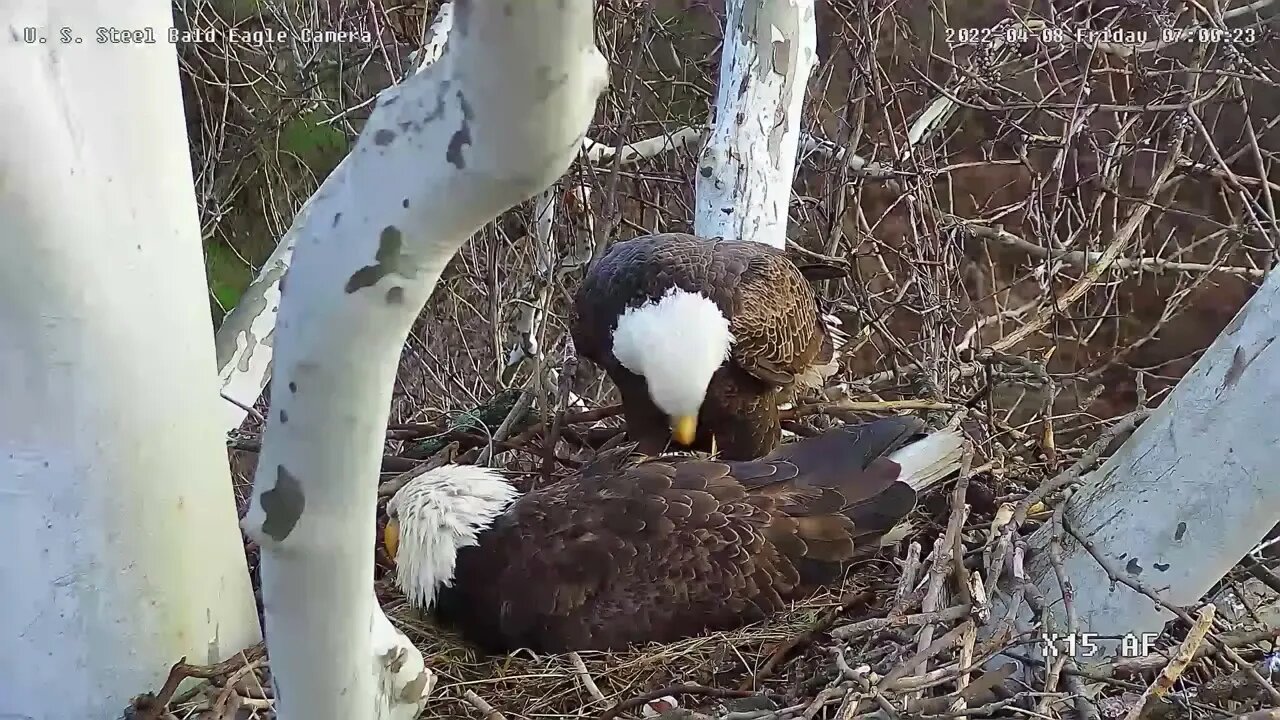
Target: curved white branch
496,120
245,338
747,165
122,553
1190,492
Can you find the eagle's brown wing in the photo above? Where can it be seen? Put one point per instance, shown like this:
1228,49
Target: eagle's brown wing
776,322
657,551
846,468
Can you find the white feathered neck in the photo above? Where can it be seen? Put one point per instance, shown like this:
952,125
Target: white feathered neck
440,512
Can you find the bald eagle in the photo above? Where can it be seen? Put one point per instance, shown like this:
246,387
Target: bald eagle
703,338
630,550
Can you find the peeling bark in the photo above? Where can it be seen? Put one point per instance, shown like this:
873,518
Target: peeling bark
747,166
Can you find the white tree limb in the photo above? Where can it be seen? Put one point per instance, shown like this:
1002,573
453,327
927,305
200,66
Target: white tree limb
496,120
600,153
1187,495
747,165
245,338
122,550
534,294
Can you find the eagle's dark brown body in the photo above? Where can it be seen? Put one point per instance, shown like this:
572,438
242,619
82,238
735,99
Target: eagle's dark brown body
773,315
662,549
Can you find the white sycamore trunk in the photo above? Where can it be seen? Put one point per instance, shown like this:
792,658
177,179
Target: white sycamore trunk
245,338
1188,495
122,552
747,166
494,121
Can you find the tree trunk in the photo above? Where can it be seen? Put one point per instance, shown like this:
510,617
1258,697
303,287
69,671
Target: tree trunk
247,334
1189,494
123,554
496,120
747,166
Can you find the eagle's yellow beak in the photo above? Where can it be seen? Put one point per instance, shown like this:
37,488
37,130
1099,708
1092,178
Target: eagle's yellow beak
685,429
391,537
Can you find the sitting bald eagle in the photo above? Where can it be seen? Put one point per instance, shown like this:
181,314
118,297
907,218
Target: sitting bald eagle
704,338
654,550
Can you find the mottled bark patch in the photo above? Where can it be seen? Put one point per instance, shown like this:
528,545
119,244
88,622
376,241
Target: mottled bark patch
388,259
1180,532
283,505
782,57
438,110
1133,567
251,305
546,82
284,416
413,691
461,136
293,386
1162,567
1240,363
384,137
394,659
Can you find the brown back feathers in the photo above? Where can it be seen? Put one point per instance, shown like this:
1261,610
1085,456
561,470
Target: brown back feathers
633,551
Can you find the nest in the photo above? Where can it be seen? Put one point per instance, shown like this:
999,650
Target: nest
911,633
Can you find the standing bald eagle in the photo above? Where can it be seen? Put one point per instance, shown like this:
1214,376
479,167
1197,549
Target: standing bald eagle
659,549
704,338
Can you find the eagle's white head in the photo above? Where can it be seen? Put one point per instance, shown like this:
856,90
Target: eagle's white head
433,516
676,343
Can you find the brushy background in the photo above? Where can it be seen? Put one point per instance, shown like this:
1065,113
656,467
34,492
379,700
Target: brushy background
969,259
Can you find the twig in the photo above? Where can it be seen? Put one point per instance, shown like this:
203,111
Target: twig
906,583
1141,587
1086,463
517,411
1148,663
222,707
853,630
584,677
568,371
152,707
798,642
944,554
479,703
1181,659
672,690
1080,258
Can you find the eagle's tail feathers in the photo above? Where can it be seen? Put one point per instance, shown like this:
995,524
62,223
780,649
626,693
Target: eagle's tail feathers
930,459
